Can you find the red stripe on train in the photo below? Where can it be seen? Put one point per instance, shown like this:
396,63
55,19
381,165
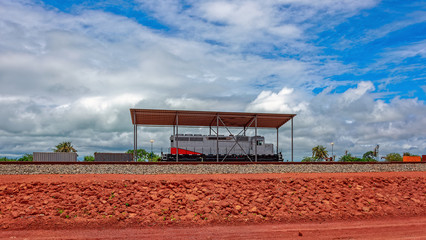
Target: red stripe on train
183,151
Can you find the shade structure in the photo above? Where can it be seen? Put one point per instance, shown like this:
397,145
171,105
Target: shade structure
176,118
207,118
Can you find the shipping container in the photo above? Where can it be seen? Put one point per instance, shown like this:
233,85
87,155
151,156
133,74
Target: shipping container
54,157
113,157
411,159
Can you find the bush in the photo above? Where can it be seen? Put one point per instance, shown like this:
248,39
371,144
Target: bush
6,159
347,158
144,156
350,158
26,158
409,154
89,158
308,159
367,160
393,157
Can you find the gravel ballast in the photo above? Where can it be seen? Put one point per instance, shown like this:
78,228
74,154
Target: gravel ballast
206,168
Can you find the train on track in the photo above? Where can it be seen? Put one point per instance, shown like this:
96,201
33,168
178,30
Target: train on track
220,148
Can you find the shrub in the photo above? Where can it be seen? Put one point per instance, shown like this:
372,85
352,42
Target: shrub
89,158
393,157
346,158
350,158
144,156
26,158
409,154
309,159
6,159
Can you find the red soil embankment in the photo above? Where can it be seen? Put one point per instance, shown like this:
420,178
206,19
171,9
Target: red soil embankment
116,201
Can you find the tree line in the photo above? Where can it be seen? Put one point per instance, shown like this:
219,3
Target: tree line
320,153
141,154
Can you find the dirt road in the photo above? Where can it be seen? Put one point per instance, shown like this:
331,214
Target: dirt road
397,228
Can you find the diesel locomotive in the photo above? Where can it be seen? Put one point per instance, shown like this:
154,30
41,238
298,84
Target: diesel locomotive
197,147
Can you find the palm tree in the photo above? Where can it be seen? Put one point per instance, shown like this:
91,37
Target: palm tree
64,147
319,152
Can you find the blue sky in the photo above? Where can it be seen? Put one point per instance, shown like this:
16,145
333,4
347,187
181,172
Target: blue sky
353,71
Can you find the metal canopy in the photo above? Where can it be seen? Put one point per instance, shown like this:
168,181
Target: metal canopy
205,118
178,118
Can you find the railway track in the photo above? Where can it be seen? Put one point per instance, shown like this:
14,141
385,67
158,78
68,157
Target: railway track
146,168
212,163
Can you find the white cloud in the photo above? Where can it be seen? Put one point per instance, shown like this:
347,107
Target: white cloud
240,24
191,103
403,64
408,51
373,34
285,101
354,94
245,15
361,122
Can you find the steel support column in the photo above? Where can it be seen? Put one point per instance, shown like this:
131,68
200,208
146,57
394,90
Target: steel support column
135,130
217,138
292,139
278,157
176,137
255,139
135,138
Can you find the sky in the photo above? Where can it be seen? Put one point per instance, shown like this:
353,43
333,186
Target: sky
352,70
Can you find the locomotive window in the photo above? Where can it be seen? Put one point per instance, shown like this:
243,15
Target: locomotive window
196,139
214,138
242,138
182,138
259,142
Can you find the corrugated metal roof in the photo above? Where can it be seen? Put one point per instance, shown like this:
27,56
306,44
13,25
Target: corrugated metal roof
206,118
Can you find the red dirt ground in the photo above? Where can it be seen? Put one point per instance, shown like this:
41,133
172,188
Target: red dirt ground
237,206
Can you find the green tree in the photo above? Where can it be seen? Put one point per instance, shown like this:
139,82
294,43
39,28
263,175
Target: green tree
143,156
368,156
319,152
393,157
64,147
